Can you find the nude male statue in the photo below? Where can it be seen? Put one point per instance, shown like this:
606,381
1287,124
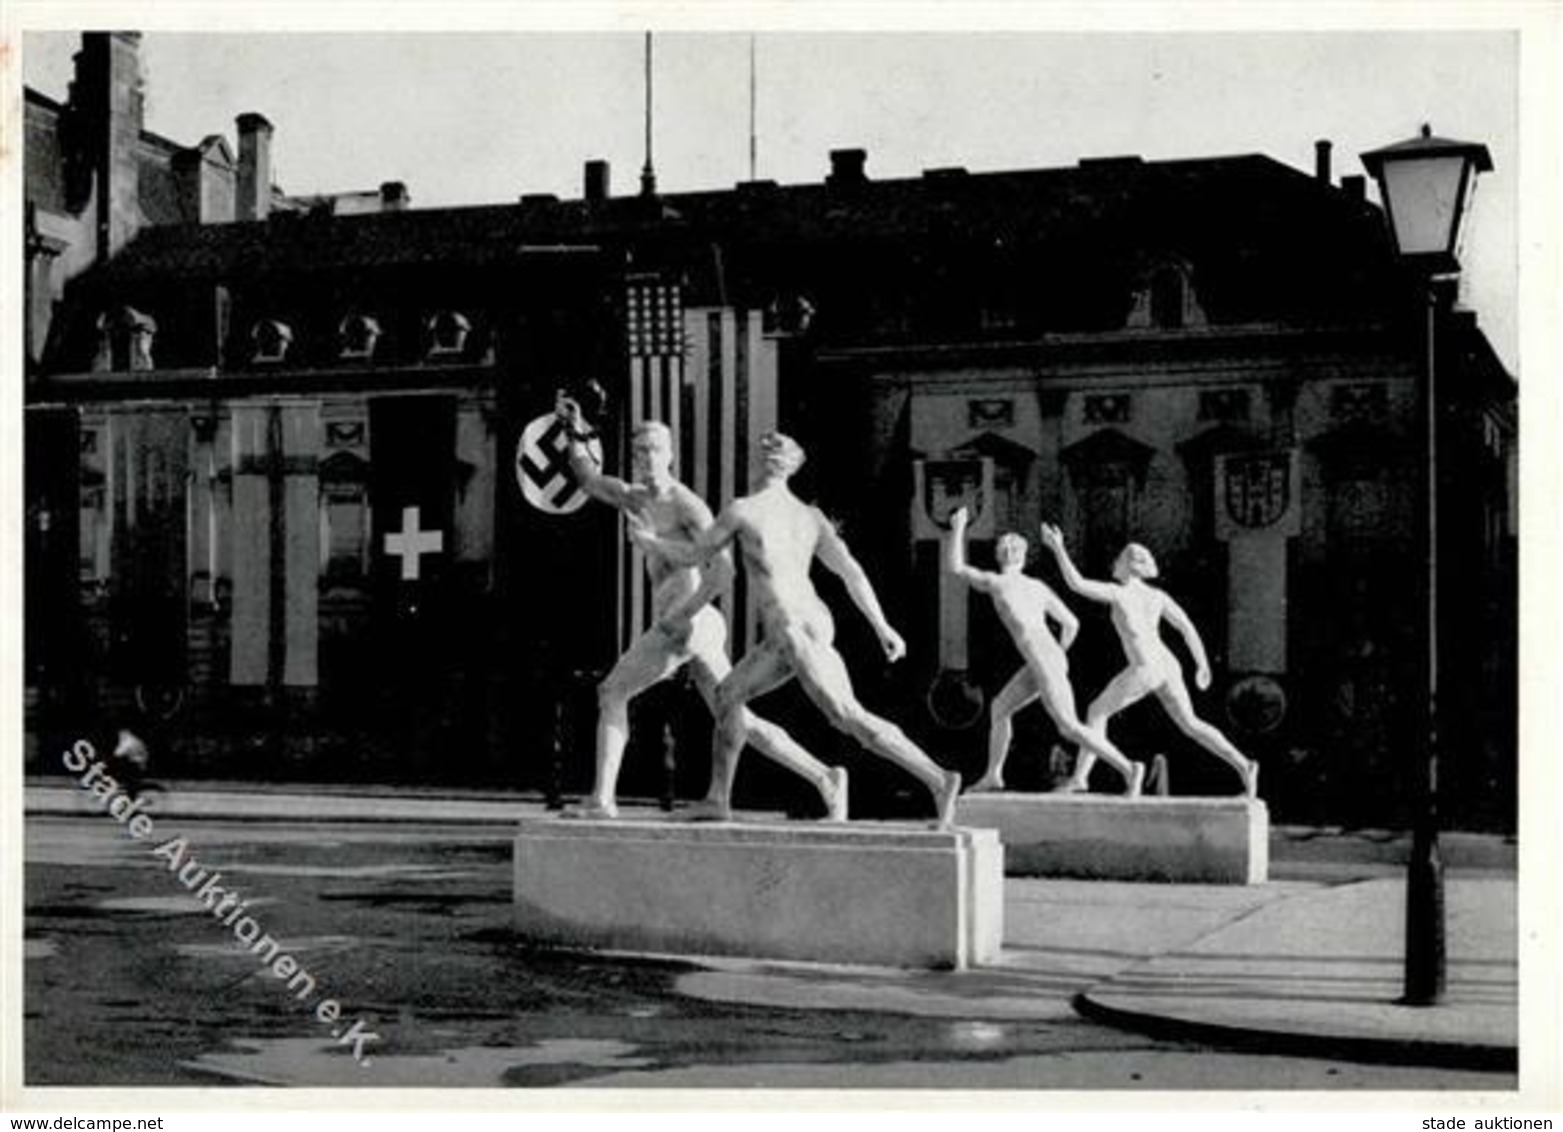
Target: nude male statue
1137,611
688,630
1025,604
779,537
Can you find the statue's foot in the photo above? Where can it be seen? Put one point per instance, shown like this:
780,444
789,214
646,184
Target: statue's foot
835,793
944,798
707,810
987,784
1136,781
593,809
1073,786
1251,779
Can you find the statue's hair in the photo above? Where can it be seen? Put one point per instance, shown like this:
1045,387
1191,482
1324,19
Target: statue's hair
795,454
1141,561
1011,539
655,429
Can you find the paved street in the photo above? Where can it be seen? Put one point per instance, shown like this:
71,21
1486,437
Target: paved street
131,981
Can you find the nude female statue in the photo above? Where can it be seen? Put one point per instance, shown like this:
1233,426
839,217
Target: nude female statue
1025,605
1137,612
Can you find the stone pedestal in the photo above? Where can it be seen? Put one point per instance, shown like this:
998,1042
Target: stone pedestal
1104,837
862,893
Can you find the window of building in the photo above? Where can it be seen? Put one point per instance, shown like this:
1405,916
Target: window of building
1164,297
344,519
270,340
356,336
125,338
448,331
1167,294
1107,473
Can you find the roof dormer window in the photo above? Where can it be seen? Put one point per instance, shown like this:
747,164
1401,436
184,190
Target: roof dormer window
271,340
125,340
356,336
448,332
1164,298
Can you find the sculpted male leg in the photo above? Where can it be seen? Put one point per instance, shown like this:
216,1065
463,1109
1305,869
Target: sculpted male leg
823,675
757,673
710,670
650,659
1016,694
1124,689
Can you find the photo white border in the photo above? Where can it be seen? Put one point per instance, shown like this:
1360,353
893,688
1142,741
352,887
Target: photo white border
1541,630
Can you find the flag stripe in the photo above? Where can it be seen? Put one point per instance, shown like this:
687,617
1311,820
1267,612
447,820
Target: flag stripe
713,382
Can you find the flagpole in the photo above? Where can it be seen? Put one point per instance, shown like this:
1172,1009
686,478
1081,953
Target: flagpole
753,136
648,176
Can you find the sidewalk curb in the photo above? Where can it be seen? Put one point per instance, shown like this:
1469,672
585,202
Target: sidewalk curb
1391,1051
1316,974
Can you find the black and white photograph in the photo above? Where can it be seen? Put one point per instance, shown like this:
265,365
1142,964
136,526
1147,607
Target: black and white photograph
635,552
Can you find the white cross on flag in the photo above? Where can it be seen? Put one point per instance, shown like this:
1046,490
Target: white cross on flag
411,544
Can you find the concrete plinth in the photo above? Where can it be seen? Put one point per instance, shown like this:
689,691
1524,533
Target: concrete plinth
1211,840
864,893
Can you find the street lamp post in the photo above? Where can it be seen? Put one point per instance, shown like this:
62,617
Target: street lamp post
1424,184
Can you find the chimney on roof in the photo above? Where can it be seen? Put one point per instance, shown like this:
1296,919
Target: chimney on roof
394,196
846,167
107,93
596,183
254,181
1321,161
1355,186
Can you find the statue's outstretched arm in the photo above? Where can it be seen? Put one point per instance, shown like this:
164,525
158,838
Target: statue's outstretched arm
715,575
833,554
1068,623
1053,539
955,554
606,489
1181,621
705,545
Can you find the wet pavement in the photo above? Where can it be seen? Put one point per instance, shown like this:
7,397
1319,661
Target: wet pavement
130,980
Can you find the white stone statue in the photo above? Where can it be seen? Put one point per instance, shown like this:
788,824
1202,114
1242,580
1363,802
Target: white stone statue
1138,610
688,630
779,537
1025,605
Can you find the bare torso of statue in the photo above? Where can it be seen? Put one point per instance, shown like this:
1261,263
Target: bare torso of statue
1137,610
777,535
676,512
1022,604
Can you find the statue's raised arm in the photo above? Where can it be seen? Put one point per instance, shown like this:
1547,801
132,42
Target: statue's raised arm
1053,539
955,554
603,488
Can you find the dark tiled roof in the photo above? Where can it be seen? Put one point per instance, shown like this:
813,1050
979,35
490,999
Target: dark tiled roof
1260,237
1242,196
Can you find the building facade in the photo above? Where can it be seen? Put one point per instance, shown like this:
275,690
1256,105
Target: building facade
295,502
